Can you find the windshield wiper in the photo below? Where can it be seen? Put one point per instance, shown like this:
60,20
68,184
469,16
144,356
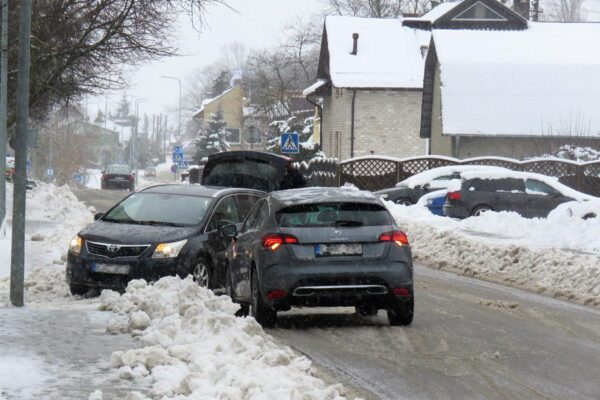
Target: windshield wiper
118,221
348,222
158,223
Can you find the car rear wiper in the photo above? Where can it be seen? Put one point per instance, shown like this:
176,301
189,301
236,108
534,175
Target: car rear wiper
348,222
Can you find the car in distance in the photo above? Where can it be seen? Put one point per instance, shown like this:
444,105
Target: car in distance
410,190
251,169
320,247
159,231
150,172
529,194
117,177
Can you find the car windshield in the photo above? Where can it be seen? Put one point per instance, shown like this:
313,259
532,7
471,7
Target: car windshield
160,209
118,169
333,215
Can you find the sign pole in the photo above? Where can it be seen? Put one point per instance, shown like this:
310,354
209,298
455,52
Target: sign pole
3,108
17,270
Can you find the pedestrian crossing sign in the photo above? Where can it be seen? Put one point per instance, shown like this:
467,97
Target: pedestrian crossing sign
290,143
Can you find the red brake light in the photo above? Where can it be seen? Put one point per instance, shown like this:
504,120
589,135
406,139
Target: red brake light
274,241
276,294
401,292
398,237
453,196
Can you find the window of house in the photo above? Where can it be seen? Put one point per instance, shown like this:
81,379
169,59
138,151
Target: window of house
479,11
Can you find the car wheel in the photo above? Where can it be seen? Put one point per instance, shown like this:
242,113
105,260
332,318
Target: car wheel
79,290
401,313
202,275
477,211
262,312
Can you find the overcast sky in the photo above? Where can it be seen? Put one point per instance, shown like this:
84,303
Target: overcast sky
256,24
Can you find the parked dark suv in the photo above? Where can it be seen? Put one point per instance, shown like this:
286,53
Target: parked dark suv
163,230
531,195
320,247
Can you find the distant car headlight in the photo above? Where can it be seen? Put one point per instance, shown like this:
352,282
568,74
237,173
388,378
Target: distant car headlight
169,250
75,245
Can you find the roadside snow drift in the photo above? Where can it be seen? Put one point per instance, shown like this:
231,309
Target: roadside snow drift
558,256
193,347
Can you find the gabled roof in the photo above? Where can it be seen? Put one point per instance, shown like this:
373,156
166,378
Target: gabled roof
206,102
389,55
469,14
543,81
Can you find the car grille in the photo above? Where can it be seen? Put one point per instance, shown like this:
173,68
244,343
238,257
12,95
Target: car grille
115,250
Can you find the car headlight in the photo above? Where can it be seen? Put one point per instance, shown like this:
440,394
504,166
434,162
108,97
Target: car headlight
75,245
168,250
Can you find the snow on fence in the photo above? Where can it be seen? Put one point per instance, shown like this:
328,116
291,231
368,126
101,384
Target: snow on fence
380,172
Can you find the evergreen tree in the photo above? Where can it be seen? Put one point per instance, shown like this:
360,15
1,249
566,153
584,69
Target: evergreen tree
213,139
220,84
304,128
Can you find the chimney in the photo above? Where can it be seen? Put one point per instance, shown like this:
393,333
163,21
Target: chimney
355,44
521,7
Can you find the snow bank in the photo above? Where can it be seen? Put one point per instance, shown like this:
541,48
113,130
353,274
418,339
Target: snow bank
192,346
558,256
53,216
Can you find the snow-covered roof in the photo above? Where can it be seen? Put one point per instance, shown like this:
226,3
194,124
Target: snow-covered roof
389,55
206,102
544,80
314,87
426,177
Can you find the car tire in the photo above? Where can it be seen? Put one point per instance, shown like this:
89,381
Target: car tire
262,312
244,308
477,211
400,313
202,274
78,290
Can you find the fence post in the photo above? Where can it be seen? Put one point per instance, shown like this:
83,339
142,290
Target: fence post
579,177
338,169
398,171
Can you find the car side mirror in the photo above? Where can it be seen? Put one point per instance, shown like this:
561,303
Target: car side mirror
229,231
97,216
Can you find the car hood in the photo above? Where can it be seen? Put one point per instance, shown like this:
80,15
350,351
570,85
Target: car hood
111,232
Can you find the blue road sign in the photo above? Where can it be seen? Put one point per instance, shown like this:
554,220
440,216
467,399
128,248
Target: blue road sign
178,149
177,153
77,178
182,164
50,173
290,143
174,168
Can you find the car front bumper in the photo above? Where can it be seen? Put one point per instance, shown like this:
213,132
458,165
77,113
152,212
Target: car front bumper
84,271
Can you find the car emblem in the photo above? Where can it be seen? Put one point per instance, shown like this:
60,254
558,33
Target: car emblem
337,232
112,248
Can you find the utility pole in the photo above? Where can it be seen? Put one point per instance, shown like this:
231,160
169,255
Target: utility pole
17,266
179,124
3,108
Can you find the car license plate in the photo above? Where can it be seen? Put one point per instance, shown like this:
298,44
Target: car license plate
110,268
119,178
324,250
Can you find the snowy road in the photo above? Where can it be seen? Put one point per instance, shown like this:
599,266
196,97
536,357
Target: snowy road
470,340
101,200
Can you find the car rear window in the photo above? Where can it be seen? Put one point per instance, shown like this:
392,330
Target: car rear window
253,174
333,215
118,170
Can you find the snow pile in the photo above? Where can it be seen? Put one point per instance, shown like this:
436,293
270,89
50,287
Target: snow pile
53,216
93,179
576,153
558,256
194,347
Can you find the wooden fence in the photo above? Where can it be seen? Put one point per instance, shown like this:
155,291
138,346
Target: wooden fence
375,173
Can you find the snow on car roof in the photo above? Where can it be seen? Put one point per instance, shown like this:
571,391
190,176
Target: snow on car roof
322,194
557,100
389,54
429,175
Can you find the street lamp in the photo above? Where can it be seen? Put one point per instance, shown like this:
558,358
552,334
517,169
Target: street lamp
133,139
178,81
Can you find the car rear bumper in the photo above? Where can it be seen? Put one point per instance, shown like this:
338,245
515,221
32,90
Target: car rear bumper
117,184
455,211
83,271
335,284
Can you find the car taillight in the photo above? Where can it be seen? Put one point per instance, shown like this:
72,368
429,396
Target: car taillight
397,237
453,196
273,242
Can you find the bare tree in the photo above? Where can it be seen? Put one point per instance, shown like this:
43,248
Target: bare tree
565,11
375,8
303,38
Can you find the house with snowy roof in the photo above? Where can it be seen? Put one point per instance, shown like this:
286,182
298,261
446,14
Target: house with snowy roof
515,92
369,84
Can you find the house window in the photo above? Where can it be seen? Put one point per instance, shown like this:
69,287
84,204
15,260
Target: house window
233,135
479,12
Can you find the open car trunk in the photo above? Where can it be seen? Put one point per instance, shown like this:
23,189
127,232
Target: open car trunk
245,169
